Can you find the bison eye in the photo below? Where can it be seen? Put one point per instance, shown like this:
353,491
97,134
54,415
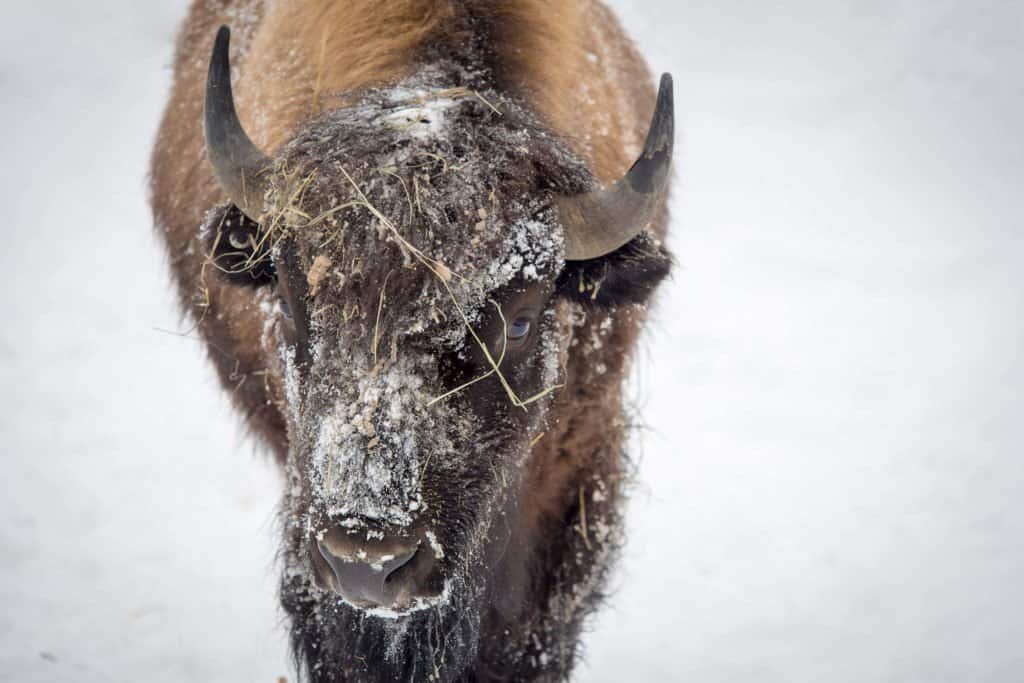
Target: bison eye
286,310
239,239
517,330
237,250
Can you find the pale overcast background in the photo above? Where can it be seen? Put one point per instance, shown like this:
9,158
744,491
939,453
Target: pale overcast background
831,488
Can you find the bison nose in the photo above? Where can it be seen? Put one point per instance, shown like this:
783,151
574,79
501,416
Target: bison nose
389,572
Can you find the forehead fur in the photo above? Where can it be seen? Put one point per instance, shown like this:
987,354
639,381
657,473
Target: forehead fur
435,197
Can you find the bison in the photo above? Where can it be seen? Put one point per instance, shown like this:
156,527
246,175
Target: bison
418,238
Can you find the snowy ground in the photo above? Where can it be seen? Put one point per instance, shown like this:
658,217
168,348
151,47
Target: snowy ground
832,486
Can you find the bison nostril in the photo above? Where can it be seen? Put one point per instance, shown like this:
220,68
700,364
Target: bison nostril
391,572
362,577
395,571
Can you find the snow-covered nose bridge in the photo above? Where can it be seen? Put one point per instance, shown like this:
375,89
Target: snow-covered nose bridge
369,450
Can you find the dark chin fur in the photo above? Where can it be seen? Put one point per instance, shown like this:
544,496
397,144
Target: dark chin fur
486,632
332,641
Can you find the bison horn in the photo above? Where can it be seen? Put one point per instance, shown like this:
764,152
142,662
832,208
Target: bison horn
600,222
239,165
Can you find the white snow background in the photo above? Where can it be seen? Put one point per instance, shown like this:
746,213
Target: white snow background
832,483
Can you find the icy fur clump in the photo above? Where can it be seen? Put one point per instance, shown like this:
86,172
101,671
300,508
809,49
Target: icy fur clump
378,431
532,248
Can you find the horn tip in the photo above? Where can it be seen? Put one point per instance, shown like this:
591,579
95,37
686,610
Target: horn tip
221,44
220,64
665,96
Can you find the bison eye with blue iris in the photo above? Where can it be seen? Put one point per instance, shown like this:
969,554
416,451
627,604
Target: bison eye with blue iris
517,330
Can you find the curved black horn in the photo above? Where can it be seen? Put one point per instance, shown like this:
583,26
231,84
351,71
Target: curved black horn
239,165
600,222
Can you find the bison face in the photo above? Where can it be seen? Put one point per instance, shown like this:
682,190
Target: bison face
420,337
422,259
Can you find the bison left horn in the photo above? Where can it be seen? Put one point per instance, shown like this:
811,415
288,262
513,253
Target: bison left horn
239,165
600,222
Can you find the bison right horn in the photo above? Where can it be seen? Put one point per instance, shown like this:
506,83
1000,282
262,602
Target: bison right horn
599,222
239,165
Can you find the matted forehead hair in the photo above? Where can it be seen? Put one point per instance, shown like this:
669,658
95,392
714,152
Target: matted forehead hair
427,192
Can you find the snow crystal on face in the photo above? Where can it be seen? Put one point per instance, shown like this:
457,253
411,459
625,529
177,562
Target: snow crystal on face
291,375
418,605
424,119
552,350
532,247
435,545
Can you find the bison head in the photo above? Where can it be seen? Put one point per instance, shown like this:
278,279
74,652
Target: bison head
422,257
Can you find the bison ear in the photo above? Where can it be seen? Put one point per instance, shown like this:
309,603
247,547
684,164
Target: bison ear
236,249
627,275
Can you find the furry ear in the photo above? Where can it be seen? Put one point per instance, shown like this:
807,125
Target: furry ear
236,248
628,275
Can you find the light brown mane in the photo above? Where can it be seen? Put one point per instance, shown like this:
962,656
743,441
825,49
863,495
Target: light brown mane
556,56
